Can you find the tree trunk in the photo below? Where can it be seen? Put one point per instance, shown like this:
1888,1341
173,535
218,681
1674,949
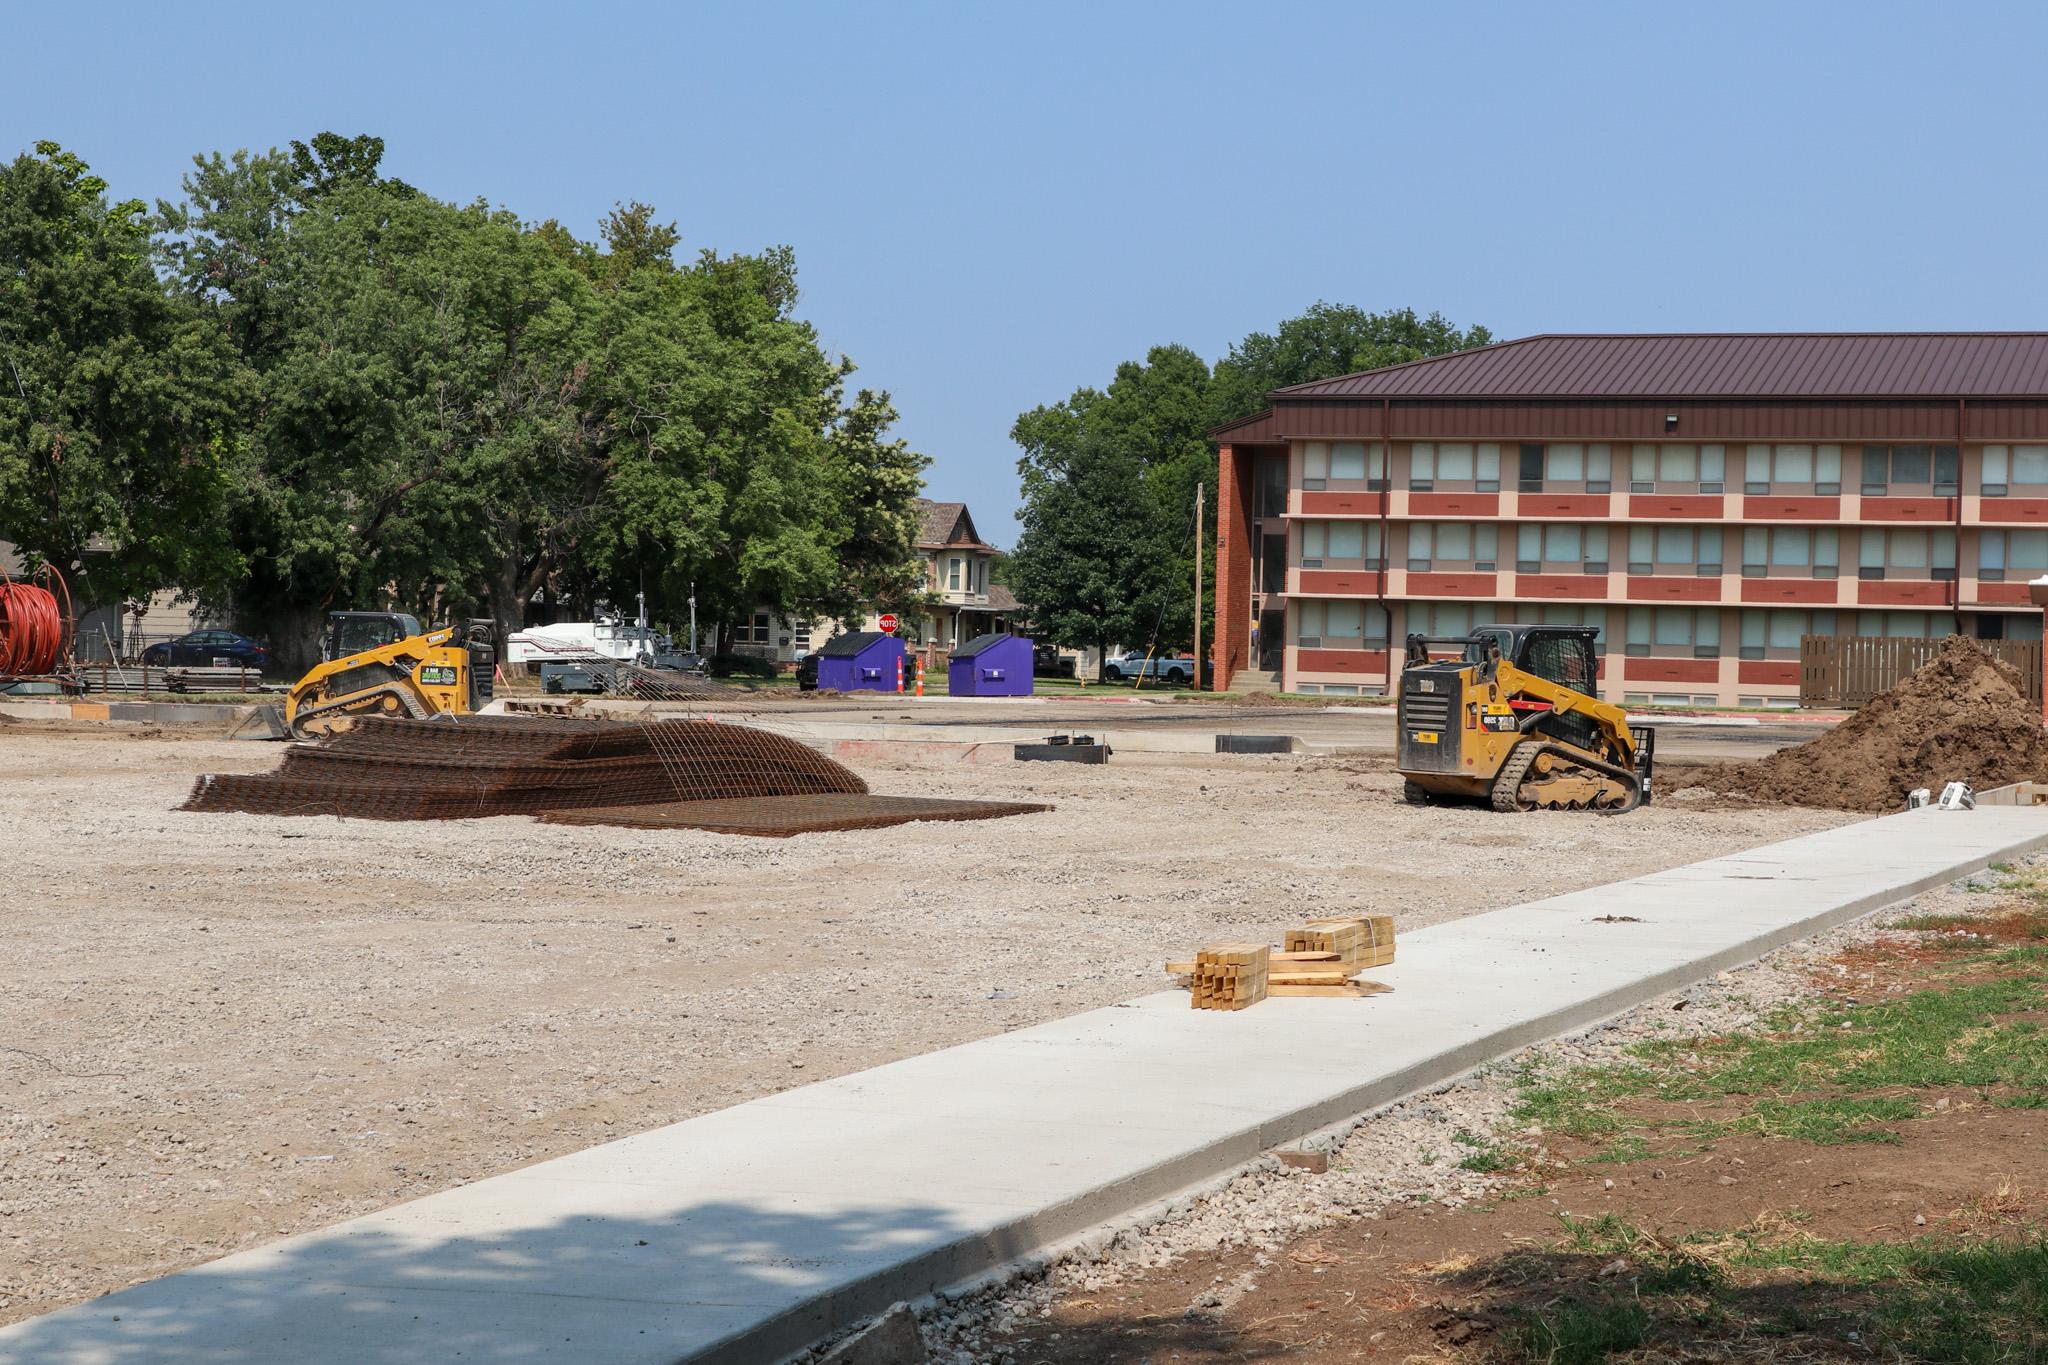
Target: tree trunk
294,638
507,588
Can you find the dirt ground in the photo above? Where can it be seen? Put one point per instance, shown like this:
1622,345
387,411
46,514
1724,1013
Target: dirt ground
219,1029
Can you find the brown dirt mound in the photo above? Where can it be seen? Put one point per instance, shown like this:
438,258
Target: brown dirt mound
1963,715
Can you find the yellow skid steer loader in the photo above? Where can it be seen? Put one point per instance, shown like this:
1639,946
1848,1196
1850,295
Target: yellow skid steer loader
1516,721
380,663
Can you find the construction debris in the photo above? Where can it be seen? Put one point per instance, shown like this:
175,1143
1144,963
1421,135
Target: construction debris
665,774
1962,716
1321,958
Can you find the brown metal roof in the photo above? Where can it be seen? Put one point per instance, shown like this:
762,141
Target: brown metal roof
1717,365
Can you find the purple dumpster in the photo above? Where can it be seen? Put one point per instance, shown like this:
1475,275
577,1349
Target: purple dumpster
997,665
865,661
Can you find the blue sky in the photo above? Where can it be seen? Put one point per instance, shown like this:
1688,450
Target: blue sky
991,205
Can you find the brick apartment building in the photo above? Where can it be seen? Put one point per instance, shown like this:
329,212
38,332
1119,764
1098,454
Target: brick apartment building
1704,499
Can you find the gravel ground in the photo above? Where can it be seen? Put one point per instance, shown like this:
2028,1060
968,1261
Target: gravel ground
1406,1154
219,1029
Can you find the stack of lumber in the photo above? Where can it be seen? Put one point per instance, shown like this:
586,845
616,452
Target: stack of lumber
1321,958
1358,941
1230,976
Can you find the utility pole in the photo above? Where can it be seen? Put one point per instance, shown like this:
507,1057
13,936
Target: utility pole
1199,493
693,618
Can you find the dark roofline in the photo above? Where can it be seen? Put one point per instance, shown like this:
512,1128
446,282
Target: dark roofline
1629,336
1432,359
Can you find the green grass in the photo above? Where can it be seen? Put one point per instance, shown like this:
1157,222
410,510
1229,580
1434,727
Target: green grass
1931,1299
1575,1332
1822,1073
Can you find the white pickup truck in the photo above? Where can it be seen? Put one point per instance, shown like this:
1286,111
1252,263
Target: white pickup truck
1132,663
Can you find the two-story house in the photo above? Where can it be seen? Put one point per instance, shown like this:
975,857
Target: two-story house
956,562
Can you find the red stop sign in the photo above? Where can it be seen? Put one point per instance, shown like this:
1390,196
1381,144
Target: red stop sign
888,623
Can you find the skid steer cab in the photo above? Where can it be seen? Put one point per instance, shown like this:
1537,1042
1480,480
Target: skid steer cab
381,663
1511,716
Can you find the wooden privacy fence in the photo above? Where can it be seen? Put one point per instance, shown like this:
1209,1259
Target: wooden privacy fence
1848,670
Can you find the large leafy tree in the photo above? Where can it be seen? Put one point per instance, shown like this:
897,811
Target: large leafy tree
118,444
1083,563
329,389
877,481
419,438
1110,476
1328,340
722,408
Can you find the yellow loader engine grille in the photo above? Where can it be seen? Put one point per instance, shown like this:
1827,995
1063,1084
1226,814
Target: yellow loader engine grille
1427,718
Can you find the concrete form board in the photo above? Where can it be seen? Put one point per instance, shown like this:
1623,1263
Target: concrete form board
747,1233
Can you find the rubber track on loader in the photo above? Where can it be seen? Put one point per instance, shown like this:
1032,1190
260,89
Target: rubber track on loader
1507,783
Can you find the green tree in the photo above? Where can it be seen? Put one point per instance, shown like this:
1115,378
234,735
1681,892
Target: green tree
877,481
117,401
418,439
453,409
1107,553
1324,342
719,403
1083,563
1109,476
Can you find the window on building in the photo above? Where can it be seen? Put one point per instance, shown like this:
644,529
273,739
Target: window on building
1775,634
2024,627
1907,554
1674,632
1560,547
1793,469
1336,624
1911,469
1903,625
1565,467
1561,614
1678,469
1449,545
1340,544
1270,485
2019,555
2005,466
953,575
800,637
757,630
1343,464
1791,552
1675,550
1454,464
1449,620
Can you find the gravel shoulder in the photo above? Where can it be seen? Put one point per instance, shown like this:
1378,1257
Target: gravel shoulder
220,1029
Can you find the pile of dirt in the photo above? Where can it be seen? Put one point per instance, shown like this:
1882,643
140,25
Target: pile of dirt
1962,716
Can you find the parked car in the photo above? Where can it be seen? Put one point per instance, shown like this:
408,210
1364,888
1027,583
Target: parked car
205,648
1048,662
807,673
1132,663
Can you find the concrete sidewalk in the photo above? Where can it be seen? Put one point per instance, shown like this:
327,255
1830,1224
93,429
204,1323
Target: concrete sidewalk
747,1233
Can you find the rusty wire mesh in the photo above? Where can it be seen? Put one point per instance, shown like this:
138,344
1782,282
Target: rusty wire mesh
470,767
779,817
